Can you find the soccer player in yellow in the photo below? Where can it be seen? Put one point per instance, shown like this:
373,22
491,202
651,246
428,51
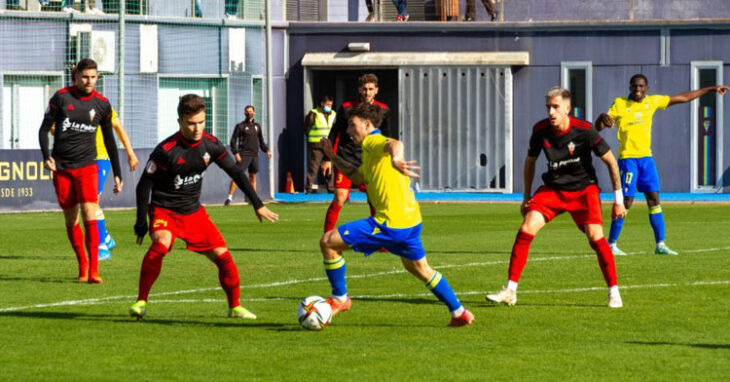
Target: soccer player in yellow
396,225
632,116
106,243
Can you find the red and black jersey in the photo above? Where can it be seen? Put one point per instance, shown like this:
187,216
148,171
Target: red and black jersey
76,117
568,153
344,147
247,138
175,173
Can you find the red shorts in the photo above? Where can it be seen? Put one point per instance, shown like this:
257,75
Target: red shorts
584,205
76,185
196,229
341,181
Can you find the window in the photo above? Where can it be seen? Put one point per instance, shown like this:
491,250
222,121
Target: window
214,93
26,98
578,78
706,124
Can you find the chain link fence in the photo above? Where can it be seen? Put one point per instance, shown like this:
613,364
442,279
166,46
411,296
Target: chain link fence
148,57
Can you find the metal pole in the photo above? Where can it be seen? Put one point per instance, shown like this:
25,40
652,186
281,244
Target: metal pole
270,100
120,58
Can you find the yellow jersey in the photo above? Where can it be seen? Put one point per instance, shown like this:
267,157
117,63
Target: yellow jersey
100,148
633,124
388,189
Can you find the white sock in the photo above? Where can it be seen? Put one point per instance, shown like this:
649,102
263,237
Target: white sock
660,243
230,197
458,311
613,291
511,285
340,298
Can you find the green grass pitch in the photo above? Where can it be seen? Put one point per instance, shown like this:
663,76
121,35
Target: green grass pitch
674,325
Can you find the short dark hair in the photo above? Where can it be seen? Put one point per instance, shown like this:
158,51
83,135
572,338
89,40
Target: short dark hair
83,64
190,104
366,111
326,98
368,78
638,75
249,106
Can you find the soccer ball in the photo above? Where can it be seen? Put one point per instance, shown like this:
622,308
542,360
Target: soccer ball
314,313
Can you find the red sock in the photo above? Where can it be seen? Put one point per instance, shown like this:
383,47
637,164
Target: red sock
605,260
92,246
228,277
330,220
151,266
76,237
519,255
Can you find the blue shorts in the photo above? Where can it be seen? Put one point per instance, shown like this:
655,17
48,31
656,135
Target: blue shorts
367,236
638,174
104,166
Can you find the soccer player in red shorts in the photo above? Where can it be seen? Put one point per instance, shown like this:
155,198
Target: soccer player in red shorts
170,189
76,112
347,150
569,186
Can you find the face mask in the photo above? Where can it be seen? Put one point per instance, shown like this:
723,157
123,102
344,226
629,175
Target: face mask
249,115
327,109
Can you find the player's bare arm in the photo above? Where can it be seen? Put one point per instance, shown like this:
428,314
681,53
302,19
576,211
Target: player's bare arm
408,168
693,94
122,134
604,120
618,210
528,174
349,170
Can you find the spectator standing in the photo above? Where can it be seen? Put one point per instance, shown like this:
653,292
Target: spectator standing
471,9
246,140
317,125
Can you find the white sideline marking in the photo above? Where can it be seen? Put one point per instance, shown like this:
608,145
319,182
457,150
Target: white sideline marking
103,300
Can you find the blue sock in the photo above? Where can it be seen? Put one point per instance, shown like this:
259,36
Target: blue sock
101,225
656,218
615,231
442,290
335,270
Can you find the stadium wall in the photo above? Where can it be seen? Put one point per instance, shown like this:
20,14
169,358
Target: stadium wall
189,51
616,51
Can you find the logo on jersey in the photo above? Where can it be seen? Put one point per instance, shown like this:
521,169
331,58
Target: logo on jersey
206,158
186,181
376,231
556,165
92,114
75,126
151,167
181,160
546,144
70,107
571,147
637,115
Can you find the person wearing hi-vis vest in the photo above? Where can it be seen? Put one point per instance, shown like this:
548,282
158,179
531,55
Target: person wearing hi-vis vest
317,125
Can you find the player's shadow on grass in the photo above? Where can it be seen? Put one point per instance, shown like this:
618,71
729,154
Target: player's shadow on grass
412,301
55,280
662,343
122,319
42,258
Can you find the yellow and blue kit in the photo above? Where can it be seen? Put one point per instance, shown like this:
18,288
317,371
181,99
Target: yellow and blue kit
396,225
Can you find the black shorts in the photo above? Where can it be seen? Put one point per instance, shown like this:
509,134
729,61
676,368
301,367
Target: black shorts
250,163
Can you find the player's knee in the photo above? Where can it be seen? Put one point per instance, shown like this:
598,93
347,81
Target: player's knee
158,250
